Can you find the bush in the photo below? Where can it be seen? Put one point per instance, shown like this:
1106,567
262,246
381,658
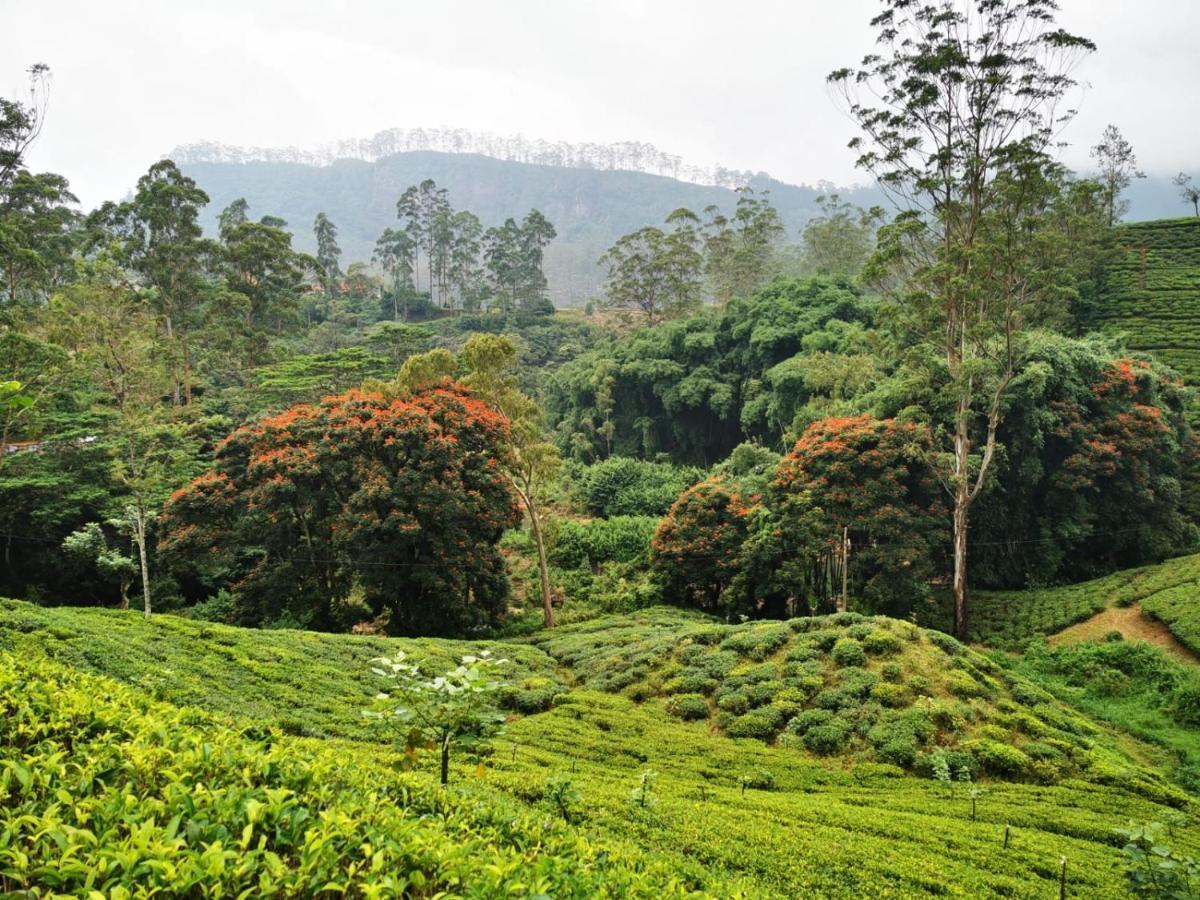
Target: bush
827,739
849,652
532,695
632,487
690,681
734,702
881,643
1185,702
893,695
688,707
758,723
758,641
996,758
619,539
960,684
810,718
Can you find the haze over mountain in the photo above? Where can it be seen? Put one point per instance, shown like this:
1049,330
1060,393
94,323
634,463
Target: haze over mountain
593,193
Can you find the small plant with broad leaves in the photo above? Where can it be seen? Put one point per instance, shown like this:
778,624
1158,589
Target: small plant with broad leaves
459,707
1156,870
941,771
564,797
642,795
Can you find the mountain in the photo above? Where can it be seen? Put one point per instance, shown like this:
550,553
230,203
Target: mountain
590,207
593,193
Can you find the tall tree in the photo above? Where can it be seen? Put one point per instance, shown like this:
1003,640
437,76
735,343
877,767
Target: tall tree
739,250
1189,192
328,252
1118,167
396,254
659,273
840,239
36,222
21,122
113,339
960,106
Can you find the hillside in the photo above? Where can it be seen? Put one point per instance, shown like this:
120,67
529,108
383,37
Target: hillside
590,208
724,815
1152,292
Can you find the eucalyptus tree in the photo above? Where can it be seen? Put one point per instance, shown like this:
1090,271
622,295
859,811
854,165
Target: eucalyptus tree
1118,167
960,106
396,254
1189,192
329,253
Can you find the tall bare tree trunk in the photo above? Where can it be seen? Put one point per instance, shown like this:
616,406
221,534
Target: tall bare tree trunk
962,503
140,540
535,526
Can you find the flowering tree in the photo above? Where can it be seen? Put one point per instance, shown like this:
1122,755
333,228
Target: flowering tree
697,547
869,481
354,507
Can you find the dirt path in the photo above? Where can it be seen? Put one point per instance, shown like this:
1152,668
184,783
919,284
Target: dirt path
1134,624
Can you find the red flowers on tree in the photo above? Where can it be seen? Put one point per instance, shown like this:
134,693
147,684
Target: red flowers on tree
356,507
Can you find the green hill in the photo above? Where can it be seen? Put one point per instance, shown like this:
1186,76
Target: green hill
1151,293
599,704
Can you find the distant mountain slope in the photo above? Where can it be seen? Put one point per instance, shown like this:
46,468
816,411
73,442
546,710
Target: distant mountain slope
1152,292
589,207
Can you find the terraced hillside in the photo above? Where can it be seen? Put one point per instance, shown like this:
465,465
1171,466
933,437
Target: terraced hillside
636,792
1152,292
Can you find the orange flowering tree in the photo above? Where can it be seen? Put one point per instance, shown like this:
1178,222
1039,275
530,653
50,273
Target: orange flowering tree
697,549
353,508
870,479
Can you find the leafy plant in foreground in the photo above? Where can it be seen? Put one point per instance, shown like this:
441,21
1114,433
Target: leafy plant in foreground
459,706
1154,869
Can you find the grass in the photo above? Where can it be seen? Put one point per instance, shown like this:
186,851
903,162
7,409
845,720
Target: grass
1133,685
722,816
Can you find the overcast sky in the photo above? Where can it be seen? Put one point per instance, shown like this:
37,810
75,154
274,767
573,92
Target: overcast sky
736,83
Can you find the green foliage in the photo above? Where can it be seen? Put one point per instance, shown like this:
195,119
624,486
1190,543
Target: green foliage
848,652
343,497
222,810
631,487
1154,868
615,539
1179,609
455,708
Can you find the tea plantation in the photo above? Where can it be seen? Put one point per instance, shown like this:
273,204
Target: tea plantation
1152,292
653,754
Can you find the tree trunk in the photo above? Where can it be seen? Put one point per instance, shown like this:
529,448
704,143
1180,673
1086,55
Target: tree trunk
140,539
445,759
543,567
961,509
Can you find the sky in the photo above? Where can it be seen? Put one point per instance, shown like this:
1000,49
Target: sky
740,84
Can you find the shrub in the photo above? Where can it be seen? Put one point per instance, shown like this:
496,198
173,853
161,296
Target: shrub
945,643
881,643
810,718
827,739
997,758
849,652
899,751
620,486
1185,702
960,684
734,702
532,695
893,695
757,642
762,693
758,723
688,707
619,539
689,681
891,671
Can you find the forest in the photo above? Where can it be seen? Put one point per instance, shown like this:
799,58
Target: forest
829,509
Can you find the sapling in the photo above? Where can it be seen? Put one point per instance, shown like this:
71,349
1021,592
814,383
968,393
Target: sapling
562,794
459,706
941,771
642,795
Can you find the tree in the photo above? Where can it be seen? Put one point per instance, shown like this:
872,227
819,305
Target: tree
738,251
869,482
112,338
91,543
657,272
21,123
36,222
459,706
1190,194
697,548
396,254
529,459
328,252
959,109
1118,167
357,507
513,254
840,239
